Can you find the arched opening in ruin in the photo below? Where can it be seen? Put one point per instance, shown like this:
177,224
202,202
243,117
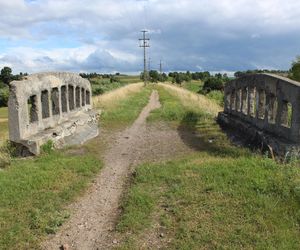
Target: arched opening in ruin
45,104
252,101
64,104
272,108
261,104
245,101
286,114
238,100
88,97
71,97
232,100
32,109
82,97
55,101
77,97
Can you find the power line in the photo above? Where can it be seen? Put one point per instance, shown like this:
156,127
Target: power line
145,44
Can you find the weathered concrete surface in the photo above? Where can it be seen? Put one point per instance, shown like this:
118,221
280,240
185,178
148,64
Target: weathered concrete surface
265,107
51,106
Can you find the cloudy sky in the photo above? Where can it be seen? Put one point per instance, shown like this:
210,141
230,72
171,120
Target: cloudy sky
102,35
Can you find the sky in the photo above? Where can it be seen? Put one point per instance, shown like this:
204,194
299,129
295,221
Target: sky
102,35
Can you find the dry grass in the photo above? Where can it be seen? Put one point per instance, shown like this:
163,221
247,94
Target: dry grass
190,99
109,99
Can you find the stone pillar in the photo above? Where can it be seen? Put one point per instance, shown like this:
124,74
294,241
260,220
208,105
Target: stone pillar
244,108
251,101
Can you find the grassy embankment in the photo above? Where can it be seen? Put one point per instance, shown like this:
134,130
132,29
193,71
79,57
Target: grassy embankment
196,86
34,192
3,125
222,197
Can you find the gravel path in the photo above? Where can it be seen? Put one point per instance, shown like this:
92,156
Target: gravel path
94,215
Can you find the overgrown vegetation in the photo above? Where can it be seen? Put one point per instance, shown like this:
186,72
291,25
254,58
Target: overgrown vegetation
220,197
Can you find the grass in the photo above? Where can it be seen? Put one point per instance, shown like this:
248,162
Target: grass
193,86
103,85
220,197
35,192
3,125
217,96
192,100
3,113
196,86
131,99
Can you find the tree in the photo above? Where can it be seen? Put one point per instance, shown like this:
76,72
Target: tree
154,76
6,75
163,77
295,70
213,83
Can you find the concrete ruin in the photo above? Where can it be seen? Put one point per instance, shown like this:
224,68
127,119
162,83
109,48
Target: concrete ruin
265,108
51,106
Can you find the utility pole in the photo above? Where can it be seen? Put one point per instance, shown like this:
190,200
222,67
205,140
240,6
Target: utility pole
160,67
145,44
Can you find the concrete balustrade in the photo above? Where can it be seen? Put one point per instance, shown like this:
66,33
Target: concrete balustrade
48,102
267,102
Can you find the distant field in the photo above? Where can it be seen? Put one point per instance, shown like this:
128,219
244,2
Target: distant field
101,85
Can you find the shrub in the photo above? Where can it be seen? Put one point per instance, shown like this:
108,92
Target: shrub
97,90
4,94
213,83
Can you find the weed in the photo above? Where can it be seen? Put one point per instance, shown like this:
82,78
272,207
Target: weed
48,147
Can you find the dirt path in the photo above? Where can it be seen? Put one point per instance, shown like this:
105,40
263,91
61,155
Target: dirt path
95,215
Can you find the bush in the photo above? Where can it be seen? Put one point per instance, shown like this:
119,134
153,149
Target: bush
4,93
97,90
213,83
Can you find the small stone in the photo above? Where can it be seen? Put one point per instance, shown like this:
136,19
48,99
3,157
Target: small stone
161,235
65,247
115,241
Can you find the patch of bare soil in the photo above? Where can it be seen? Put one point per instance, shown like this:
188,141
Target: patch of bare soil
94,216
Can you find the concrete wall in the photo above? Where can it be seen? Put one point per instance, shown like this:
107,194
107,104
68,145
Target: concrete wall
269,102
43,101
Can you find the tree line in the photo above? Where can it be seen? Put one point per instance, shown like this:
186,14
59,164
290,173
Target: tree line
6,76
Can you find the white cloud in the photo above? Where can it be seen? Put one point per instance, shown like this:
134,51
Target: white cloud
186,33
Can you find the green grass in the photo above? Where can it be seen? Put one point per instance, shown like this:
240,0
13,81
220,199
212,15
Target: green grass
103,85
221,197
3,113
126,110
193,86
128,79
217,96
34,192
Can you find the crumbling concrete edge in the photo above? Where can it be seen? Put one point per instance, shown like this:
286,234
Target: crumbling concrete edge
277,146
